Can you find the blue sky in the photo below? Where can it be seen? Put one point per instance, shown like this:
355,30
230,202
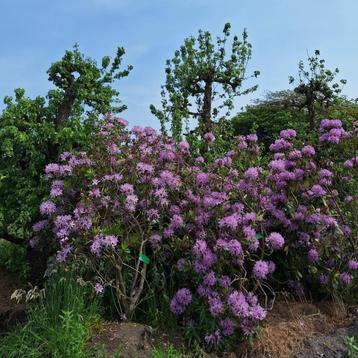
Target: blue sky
36,33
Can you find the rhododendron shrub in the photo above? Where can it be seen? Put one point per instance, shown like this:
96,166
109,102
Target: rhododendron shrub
226,229
314,202
289,219
106,206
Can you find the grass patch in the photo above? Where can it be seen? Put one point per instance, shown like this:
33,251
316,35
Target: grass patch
170,352
59,323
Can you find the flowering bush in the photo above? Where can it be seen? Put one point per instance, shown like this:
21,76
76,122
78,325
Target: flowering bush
107,205
228,228
313,203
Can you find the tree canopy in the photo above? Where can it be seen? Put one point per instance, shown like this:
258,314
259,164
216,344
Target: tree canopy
316,87
202,79
34,131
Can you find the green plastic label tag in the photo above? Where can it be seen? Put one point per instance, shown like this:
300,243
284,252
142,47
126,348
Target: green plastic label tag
144,259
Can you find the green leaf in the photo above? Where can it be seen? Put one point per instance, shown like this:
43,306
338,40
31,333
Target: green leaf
258,236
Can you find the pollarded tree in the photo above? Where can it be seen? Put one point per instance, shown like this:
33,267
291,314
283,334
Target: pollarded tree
316,86
202,79
34,131
80,82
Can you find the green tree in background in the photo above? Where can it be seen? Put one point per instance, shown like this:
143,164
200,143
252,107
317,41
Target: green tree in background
315,97
316,87
281,109
203,79
268,116
33,132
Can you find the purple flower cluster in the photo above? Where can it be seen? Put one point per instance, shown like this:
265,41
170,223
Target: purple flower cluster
101,241
247,309
288,134
209,137
316,191
260,269
98,288
47,208
308,150
275,241
56,188
331,130
180,301
252,173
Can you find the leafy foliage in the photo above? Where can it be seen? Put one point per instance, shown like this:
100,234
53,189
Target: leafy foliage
34,131
316,86
13,258
352,347
266,118
282,109
200,74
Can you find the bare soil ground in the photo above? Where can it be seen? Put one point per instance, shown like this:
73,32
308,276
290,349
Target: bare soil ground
305,330
132,340
292,330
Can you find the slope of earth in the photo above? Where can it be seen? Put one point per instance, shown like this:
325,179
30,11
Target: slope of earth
305,330
132,340
292,330
333,345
